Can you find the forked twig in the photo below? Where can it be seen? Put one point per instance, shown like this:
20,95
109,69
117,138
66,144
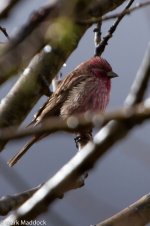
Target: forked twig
101,47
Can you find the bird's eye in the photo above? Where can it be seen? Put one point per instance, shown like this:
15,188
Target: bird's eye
98,72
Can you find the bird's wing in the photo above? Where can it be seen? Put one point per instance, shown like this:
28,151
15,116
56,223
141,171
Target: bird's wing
54,103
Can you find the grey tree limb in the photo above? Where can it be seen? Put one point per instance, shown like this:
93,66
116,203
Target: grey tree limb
11,202
116,15
138,113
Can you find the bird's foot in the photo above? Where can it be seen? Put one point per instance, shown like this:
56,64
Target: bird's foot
82,139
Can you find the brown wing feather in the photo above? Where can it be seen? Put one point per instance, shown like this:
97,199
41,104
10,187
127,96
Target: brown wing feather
53,105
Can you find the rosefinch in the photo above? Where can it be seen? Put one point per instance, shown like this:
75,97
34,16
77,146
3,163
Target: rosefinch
86,88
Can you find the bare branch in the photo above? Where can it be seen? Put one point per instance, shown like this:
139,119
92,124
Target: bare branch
136,214
30,39
128,11
11,202
116,15
137,114
97,38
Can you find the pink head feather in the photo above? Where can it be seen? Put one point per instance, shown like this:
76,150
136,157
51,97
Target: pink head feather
100,63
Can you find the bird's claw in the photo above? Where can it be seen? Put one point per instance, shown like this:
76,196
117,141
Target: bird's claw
77,140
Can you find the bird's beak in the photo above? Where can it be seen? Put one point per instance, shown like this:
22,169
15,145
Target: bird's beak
112,74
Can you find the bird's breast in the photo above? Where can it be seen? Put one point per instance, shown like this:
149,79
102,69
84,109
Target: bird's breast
89,95
98,95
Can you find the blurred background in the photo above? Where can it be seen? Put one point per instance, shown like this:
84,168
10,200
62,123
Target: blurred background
122,175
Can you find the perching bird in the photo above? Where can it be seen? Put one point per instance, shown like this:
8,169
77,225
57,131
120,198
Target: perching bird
86,88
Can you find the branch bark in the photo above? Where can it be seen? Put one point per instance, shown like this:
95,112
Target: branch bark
11,202
138,113
116,15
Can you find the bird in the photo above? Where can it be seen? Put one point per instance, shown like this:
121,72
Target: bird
86,88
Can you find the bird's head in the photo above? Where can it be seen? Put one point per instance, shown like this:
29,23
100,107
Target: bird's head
100,67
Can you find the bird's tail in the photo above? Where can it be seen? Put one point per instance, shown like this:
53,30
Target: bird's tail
16,157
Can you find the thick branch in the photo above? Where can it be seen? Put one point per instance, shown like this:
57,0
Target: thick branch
136,114
97,35
11,202
29,40
137,214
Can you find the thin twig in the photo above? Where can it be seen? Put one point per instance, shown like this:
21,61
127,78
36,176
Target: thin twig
4,32
116,15
97,31
128,11
97,35
101,47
